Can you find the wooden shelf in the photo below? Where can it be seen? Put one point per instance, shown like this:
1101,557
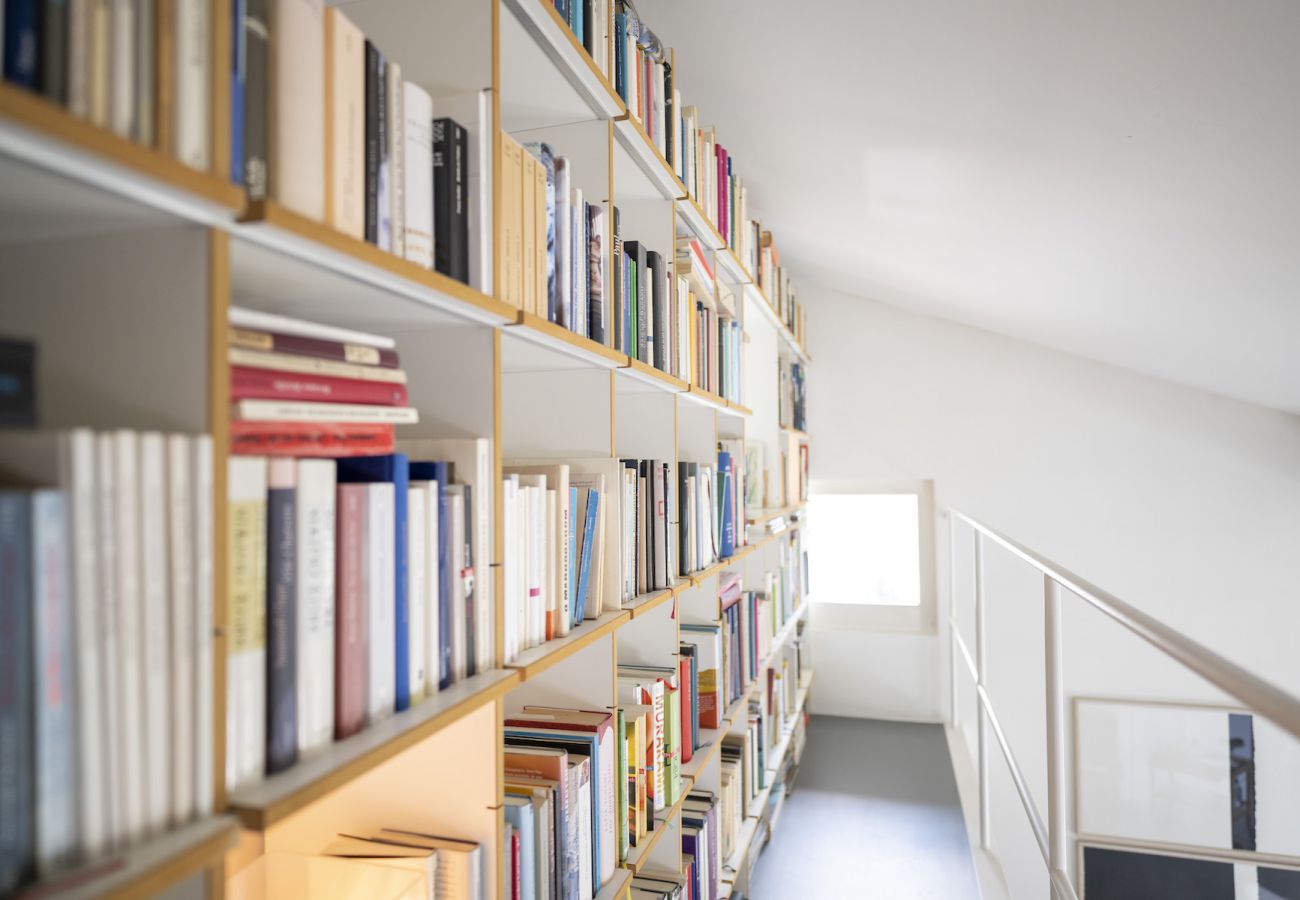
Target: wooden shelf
535,329
644,603
46,135
263,804
710,744
279,229
783,332
763,516
617,886
707,398
648,374
147,868
695,219
699,577
632,137
536,660
638,856
739,408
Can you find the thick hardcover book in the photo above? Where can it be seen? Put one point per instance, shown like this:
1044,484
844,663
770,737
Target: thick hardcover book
450,227
268,384
17,384
345,118
417,108
351,647
393,469
296,171
375,88
315,439
17,767
281,603
237,66
246,620
298,345
639,297
22,42
595,273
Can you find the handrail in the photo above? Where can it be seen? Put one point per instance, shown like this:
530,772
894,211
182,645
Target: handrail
1275,704
1052,832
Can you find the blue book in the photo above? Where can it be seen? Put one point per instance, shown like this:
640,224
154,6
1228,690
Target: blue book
22,41
238,73
575,17
584,564
574,618
17,842
395,469
441,472
521,815
727,519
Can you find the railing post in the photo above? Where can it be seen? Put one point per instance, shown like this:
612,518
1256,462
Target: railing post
953,718
1057,819
986,812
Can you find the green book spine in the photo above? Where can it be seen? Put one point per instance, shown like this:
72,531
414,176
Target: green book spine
673,748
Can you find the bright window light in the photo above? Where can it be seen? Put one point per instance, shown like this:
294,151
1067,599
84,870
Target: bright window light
865,549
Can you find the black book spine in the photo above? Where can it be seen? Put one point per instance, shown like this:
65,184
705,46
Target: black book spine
450,196
281,629
655,265
22,41
17,384
670,137
257,87
589,27
595,286
54,50
17,769
683,517
375,89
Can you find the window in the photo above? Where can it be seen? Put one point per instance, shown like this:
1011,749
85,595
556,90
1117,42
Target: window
865,549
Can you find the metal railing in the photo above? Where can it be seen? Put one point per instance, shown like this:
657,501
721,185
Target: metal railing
1054,835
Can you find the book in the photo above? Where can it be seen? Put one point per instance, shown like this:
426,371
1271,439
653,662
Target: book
256,38
395,177
22,41
509,278
296,155
129,675
305,411
287,362
236,67
421,860
268,384
434,478
418,189
417,591
521,815
376,147
596,280
246,484
241,317
352,617
17,767
153,615
450,213
473,110
310,439
560,615
315,602
345,123
563,244
281,610
193,73
460,863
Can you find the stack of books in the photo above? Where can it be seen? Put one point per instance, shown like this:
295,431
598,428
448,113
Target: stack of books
352,556
396,169
105,642
561,525
654,884
553,264
446,867
304,389
702,844
142,71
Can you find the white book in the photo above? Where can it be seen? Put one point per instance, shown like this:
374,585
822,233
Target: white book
155,638
417,112
583,784
181,553
306,411
474,112
563,242
255,320
472,461
193,68
396,161
121,92
512,545
534,572
557,475
417,595
456,510
315,613
297,145
204,724
130,616
551,566
246,620
53,683
381,600
109,670
432,582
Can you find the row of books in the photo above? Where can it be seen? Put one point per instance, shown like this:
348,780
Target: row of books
775,282
139,68
105,642
795,453
553,262
559,518
362,150
589,22
791,397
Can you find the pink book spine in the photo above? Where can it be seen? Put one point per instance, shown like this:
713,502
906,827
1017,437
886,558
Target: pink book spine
350,640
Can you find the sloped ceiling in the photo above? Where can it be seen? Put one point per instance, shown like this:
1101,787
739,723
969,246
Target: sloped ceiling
1119,179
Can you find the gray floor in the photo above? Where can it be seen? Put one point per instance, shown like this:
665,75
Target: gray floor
874,814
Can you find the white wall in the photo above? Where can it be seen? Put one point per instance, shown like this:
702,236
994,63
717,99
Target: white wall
1183,503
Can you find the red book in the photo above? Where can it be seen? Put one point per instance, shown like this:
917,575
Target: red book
357,354
688,731
311,439
266,384
351,660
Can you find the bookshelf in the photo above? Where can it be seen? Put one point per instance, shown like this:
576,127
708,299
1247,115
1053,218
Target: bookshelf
135,335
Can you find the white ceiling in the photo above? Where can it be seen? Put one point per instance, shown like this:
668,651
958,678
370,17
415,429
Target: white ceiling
1119,179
